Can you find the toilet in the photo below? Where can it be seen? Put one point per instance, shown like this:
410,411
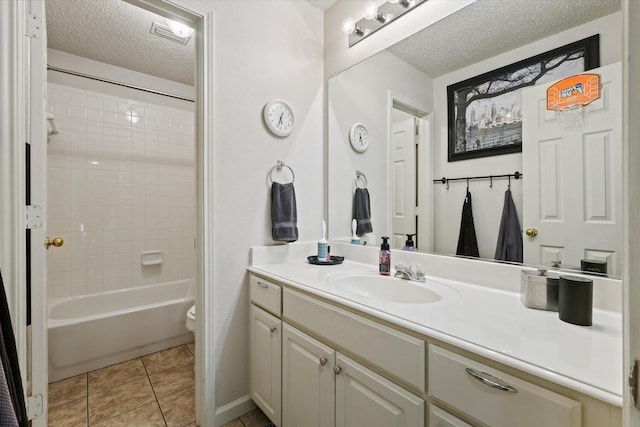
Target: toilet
191,318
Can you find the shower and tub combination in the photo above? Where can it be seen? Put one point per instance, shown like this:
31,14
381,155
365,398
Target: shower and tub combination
93,331
121,173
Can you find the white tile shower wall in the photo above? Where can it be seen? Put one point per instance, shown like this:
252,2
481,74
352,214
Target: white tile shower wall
121,181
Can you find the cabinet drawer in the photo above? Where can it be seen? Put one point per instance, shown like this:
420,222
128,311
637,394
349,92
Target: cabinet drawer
399,354
266,294
523,404
441,418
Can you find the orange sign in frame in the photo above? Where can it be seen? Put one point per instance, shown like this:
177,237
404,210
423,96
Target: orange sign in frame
578,90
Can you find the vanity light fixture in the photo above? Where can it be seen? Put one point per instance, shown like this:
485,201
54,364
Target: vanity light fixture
179,29
375,18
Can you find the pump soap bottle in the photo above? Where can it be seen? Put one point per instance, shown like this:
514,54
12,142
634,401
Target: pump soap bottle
385,257
408,244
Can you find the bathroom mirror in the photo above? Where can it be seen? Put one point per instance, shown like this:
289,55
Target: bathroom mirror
402,91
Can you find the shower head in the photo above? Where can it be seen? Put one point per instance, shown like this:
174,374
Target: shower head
51,125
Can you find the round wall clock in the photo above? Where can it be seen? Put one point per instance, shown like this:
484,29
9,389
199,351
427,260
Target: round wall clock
359,137
279,117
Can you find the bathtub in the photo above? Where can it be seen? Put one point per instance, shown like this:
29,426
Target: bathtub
97,330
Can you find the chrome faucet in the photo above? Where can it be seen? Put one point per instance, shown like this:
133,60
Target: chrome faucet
415,273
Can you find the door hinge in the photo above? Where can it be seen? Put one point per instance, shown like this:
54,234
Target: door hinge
633,384
33,216
34,26
34,406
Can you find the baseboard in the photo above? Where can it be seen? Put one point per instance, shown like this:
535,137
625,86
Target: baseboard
234,409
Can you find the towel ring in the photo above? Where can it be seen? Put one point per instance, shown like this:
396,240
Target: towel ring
278,168
360,174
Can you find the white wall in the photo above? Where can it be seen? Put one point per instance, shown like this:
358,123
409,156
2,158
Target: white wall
120,181
362,94
263,50
488,203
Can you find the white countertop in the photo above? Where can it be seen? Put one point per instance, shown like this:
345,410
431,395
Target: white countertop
489,322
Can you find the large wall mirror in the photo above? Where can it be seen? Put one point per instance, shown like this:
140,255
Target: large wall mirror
569,194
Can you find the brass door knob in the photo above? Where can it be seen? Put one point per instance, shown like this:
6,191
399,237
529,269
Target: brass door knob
56,242
531,232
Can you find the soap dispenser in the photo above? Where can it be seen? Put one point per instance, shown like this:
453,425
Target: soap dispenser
408,245
385,257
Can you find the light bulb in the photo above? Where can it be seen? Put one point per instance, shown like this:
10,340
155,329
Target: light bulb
179,29
370,10
348,26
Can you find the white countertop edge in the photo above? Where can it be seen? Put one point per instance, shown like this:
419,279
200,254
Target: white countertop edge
605,396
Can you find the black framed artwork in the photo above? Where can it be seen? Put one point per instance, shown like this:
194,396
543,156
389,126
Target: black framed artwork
485,112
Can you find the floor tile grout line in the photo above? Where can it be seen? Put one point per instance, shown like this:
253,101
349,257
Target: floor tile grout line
156,397
86,375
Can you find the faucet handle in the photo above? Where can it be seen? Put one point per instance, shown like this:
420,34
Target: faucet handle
420,271
400,266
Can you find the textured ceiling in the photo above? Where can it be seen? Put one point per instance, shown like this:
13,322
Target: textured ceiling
489,27
117,33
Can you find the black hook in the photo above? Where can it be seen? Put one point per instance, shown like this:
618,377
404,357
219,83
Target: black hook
447,184
467,184
490,181
509,186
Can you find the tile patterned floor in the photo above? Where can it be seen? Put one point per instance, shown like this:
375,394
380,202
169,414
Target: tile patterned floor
154,390
254,418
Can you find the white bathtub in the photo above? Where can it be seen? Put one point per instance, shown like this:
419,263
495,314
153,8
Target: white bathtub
97,330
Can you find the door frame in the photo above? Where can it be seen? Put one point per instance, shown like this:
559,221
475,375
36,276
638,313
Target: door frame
631,209
424,161
14,129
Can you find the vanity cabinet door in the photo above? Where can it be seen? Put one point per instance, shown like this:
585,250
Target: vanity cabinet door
265,359
364,398
308,381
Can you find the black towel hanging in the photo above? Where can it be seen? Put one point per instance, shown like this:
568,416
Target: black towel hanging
467,242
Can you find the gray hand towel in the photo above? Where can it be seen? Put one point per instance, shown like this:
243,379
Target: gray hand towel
284,215
509,247
362,211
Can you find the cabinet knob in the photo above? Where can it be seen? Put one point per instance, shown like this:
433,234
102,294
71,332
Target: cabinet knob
323,360
272,329
337,369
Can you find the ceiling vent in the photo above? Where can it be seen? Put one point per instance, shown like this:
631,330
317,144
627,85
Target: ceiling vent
164,31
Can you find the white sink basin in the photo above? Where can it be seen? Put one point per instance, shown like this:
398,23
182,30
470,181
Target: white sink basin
384,288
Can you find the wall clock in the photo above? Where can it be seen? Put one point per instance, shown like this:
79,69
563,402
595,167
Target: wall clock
279,117
359,137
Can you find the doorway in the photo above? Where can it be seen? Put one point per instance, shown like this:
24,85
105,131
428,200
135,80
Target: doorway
201,19
410,173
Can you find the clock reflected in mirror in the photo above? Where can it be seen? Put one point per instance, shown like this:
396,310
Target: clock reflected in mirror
359,137
279,117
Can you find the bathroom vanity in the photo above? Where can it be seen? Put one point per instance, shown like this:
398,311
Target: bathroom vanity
341,345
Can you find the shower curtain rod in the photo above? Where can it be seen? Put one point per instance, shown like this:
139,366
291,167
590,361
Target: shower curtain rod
100,79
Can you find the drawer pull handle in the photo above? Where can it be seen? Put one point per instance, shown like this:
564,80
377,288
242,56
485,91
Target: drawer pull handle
491,382
323,360
337,369
263,285
272,329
